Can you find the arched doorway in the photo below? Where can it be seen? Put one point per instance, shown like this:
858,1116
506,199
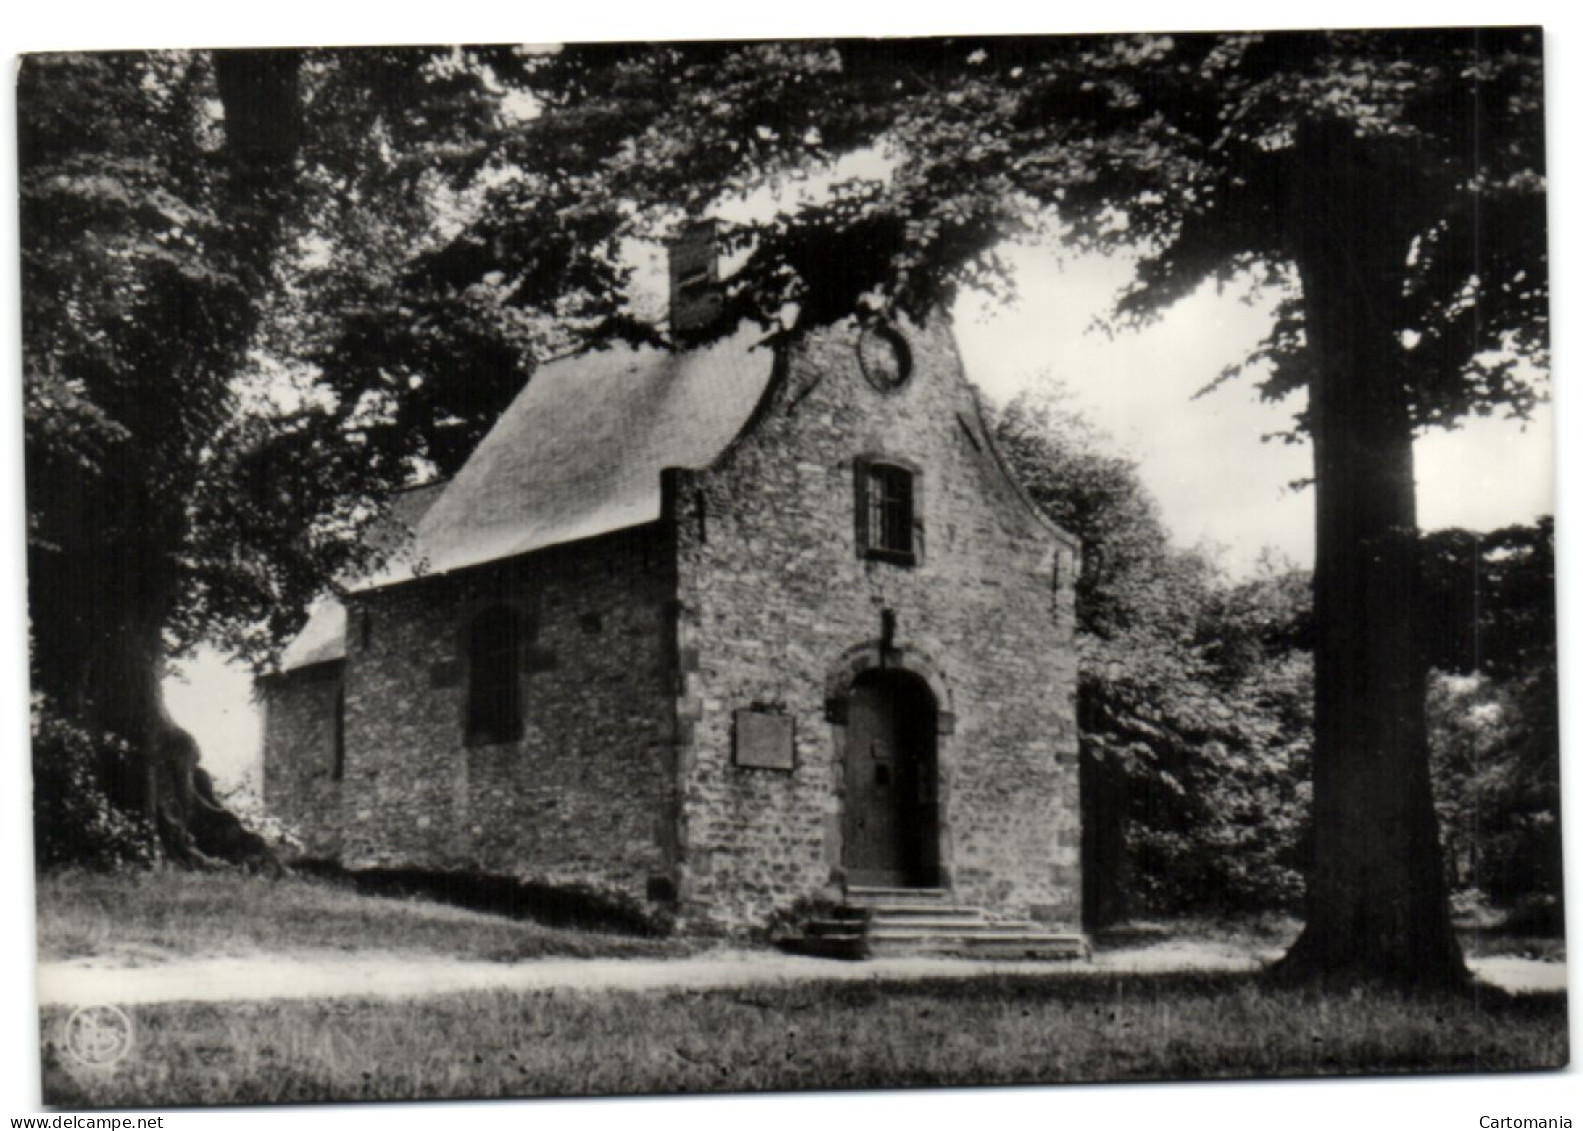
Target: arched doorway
890,823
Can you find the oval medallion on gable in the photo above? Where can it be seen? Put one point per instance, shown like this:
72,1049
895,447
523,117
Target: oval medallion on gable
884,356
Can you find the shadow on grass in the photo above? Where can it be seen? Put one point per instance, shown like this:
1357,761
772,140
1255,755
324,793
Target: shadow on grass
568,907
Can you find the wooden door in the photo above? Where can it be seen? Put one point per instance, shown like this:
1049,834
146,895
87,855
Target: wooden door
888,824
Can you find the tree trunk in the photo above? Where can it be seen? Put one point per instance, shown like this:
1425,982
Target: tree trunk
99,659
105,576
167,786
1377,906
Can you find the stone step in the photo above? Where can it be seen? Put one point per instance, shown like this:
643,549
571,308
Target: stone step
835,928
900,921
1005,946
878,911
1009,945
876,927
983,927
945,923
985,930
865,896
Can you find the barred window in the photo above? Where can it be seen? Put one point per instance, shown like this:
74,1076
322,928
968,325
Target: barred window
494,684
887,519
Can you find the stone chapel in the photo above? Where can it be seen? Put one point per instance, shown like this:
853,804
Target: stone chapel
726,631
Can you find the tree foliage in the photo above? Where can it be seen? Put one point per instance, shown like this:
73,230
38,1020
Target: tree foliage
1183,147
1494,715
176,207
75,821
1194,692
1195,697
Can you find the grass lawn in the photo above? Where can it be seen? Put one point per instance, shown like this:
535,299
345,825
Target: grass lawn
1060,1027
1273,931
161,915
1063,1026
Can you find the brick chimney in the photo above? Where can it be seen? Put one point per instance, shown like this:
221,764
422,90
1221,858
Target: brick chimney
696,300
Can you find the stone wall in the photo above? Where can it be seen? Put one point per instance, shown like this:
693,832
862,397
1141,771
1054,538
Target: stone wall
751,594
778,610
299,755
585,796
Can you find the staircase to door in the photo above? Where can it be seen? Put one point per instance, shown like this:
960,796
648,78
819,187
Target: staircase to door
891,837
880,921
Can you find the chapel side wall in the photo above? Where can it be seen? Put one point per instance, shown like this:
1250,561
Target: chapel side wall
299,755
584,798
773,594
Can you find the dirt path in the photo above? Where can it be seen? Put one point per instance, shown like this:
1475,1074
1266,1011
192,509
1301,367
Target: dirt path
92,982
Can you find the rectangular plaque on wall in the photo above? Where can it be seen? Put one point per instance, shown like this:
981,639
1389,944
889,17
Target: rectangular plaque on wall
764,740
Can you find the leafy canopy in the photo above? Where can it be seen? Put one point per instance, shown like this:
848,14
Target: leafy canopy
1194,692
451,215
919,159
202,234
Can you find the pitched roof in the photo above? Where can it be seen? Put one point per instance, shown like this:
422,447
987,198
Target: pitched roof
323,637
578,454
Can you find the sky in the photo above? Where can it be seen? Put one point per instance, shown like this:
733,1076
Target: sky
1141,400
1218,482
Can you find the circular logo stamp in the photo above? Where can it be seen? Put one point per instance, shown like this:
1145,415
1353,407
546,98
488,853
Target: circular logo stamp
98,1035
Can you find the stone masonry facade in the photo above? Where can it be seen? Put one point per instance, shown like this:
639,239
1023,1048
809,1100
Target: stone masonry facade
645,646
779,610
300,783
577,800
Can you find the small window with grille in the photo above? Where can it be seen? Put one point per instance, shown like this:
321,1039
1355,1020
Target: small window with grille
887,515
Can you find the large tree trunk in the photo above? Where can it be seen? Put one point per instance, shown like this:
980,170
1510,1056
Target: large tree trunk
1377,906
163,782
99,660
105,573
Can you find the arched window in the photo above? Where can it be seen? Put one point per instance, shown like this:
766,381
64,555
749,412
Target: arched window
494,685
